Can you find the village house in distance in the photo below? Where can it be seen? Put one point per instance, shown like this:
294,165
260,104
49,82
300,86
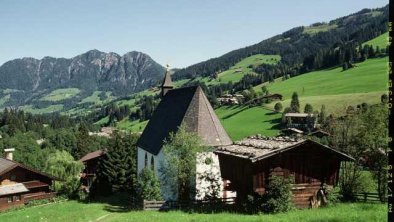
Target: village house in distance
20,184
187,106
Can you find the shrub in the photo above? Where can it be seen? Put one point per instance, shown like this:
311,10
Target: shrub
278,196
278,107
148,186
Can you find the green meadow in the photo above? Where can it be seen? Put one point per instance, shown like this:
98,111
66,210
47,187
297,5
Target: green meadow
381,41
245,66
81,212
242,121
335,88
49,109
132,126
61,94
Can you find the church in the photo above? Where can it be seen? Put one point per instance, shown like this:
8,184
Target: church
188,106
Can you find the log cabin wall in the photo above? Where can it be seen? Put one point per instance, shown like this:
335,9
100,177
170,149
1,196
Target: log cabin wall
307,165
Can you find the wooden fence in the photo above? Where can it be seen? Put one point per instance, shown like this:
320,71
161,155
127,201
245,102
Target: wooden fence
368,197
170,205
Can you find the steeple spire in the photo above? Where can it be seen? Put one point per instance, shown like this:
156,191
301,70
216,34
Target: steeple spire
167,82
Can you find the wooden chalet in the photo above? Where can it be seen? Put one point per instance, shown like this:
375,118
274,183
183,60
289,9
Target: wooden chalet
20,184
301,121
90,161
274,96
248,164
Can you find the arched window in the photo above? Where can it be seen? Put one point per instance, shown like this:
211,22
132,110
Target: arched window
152,163
146,159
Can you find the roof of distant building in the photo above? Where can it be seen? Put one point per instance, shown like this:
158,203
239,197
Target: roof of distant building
92,155
12,189
298,114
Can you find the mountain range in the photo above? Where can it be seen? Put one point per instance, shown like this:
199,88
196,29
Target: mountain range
28,80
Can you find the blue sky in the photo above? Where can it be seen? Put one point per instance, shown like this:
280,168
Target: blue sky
178,32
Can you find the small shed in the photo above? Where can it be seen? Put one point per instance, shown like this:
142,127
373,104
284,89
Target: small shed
249,163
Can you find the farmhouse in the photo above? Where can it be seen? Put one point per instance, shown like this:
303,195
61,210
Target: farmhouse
248,164
301,121
90,161
188,106
229,99
274,96
20,184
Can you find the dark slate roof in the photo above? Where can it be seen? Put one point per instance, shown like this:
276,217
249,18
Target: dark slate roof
187,105
259,148
92,155
7,165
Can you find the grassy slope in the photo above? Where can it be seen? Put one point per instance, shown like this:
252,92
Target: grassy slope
132,126
241,122
4,99
49,109
311,30
380,41
61,94
332,87
94,98
236,72
336,88
75,212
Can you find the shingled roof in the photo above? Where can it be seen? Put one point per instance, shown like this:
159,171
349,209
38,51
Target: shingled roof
92,155
187,105
7,165
259,148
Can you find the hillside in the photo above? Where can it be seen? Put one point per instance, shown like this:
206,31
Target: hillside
88,79
296,44
335,88
380,41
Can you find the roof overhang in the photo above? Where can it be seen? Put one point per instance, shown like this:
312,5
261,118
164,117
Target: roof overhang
344,157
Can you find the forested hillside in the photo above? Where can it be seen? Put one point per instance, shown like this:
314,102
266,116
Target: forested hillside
300,42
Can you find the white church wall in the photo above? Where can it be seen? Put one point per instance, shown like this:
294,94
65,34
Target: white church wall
207,164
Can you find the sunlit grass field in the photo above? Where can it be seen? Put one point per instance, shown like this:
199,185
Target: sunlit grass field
81,212
335,88
240,122
61,94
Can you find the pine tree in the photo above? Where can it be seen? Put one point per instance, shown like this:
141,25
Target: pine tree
323,114
308,108
117,171
83,141
295,103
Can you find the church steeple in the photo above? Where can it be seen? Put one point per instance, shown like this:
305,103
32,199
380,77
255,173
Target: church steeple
167,82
